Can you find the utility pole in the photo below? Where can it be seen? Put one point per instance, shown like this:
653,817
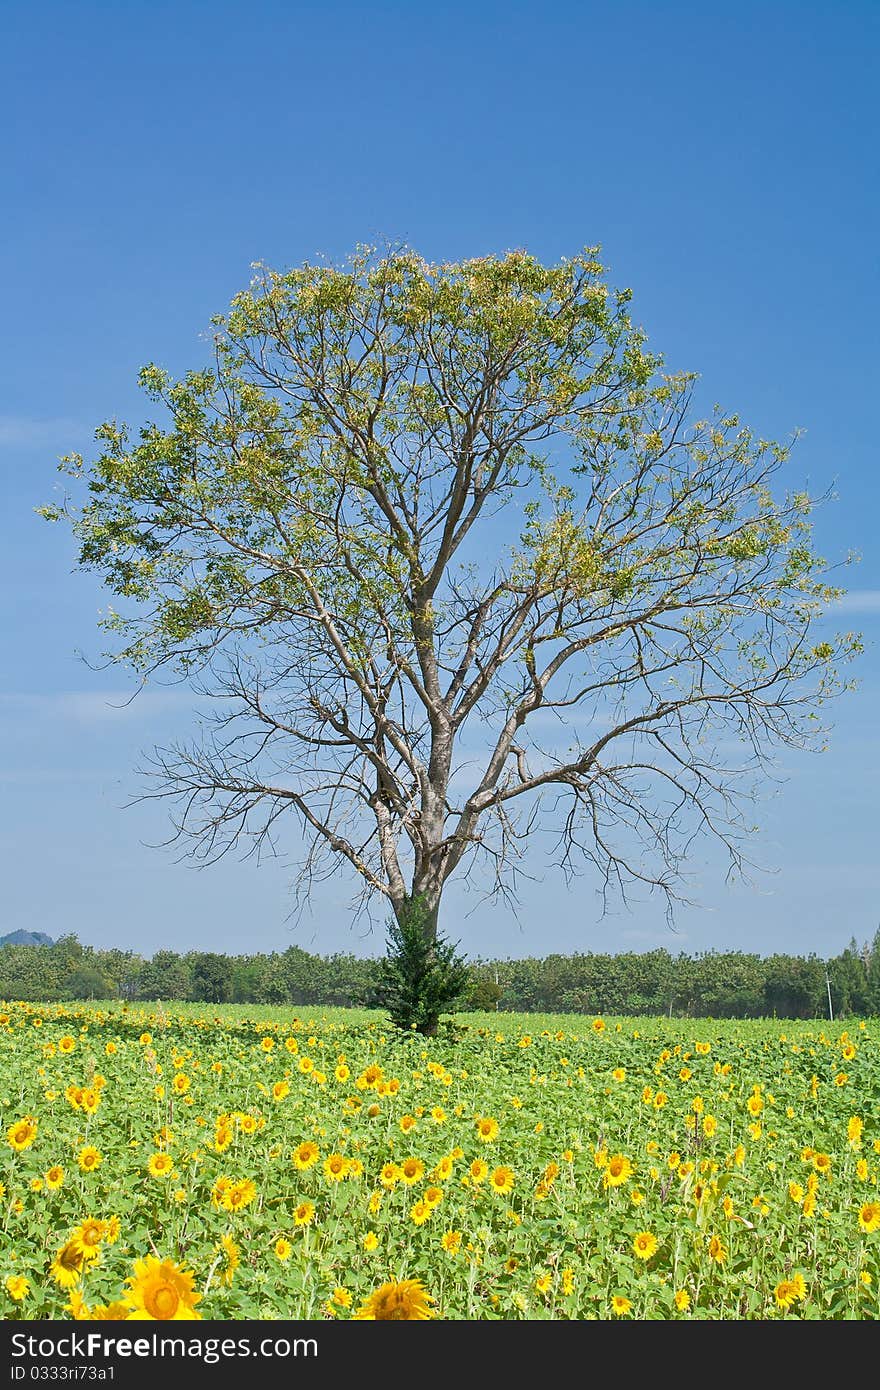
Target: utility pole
828,987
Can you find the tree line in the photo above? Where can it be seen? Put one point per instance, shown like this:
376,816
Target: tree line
729,984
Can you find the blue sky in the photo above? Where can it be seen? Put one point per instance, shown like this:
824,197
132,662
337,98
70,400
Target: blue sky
725,158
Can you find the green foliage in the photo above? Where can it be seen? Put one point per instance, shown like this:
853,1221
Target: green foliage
88,983
212,977
422,975
167,976
848,979
872,983
484,992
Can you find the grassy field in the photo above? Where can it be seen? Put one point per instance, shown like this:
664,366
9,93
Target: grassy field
238,1162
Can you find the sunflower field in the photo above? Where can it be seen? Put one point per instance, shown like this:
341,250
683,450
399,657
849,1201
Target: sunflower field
220,1164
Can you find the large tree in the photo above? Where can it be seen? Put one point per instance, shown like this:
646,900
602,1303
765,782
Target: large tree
448,545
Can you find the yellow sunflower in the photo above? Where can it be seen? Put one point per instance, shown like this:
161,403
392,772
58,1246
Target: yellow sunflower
239,1195
22,1133
159,1290
502,1180
407,1301
304,1214
785,1294
67,1265
869,1217
232,1253
223,1136
90,1233
618,1170
305,1155
644,1245
717,1251
90,1099
336,1167
389,1176
412,1170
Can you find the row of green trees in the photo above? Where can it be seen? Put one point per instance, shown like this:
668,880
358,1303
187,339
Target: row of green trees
719,985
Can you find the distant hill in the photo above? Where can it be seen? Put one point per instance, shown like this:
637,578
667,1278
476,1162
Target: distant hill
26,938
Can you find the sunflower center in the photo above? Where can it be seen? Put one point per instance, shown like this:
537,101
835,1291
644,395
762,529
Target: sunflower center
391,1309
162,1301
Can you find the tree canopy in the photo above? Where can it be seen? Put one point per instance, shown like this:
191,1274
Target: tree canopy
458,563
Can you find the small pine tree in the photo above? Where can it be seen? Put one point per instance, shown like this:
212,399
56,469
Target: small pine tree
421,975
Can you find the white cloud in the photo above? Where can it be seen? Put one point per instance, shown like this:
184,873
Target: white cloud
47,776
25,432
862,601
97,706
